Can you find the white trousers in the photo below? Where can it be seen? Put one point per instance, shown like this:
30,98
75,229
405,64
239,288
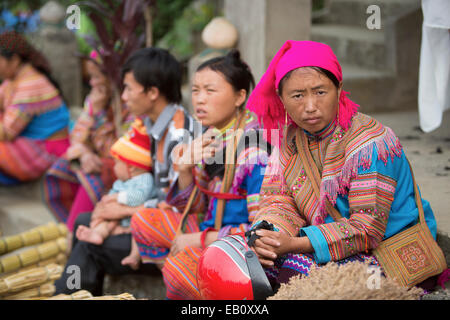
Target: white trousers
434,77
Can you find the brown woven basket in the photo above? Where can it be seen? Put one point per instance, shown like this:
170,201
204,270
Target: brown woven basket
33,236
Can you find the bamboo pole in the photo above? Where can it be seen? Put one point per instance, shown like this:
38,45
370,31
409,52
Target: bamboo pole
33,255
42,291
123,296
30,278
79,295
60,259
148,25
33,236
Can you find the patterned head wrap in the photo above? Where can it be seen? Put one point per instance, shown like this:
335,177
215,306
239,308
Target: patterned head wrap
14,42
264,100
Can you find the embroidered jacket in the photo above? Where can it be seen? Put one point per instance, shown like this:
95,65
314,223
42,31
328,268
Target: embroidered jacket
365,175
249,174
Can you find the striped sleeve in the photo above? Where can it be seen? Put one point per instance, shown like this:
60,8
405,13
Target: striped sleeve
277,204
15,121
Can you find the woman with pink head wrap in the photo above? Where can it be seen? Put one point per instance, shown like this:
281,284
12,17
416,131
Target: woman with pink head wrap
359,164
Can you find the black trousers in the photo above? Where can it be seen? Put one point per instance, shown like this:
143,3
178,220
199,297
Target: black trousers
90,262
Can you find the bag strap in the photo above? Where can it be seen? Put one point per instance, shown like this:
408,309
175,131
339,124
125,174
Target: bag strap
226,182
230,167
417,197
186,210
313,174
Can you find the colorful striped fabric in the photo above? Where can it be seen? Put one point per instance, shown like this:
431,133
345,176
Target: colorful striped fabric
33,112
154,229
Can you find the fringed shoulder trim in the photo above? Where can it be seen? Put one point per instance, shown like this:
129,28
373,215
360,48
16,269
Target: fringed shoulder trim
352,150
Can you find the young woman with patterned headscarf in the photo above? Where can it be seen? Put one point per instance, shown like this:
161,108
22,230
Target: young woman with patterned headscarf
362,171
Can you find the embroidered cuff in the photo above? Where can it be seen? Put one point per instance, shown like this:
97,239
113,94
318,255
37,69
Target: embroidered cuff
319,243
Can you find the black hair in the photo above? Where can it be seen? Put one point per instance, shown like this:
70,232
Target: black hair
156,67
9,54
323,71
236,72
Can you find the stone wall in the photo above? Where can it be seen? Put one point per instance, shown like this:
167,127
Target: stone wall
59,46
264,25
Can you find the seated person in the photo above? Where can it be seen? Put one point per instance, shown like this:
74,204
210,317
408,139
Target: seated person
80,177
152,92
33,116
134,186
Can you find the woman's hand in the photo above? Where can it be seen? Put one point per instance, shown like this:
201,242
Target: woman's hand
112,210
76,150
110,197
203,147
91,163
185,156
272,245
185,240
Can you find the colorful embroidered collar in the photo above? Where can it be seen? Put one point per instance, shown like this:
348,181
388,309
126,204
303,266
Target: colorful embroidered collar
324,133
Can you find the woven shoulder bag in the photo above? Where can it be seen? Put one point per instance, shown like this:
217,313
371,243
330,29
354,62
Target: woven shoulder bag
409,257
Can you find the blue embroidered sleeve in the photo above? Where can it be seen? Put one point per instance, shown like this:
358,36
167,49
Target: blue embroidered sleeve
319,243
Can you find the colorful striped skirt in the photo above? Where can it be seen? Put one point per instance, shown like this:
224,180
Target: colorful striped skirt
25,159
62,183
154,230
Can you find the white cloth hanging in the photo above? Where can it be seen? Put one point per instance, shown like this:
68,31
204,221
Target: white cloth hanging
434,69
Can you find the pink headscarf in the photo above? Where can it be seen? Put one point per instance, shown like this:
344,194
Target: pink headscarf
265,102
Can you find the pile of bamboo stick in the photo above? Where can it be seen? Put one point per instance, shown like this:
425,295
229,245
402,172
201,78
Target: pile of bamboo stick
31,261
86,295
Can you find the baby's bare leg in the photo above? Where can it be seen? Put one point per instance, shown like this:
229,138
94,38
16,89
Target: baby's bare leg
94,235
134,259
